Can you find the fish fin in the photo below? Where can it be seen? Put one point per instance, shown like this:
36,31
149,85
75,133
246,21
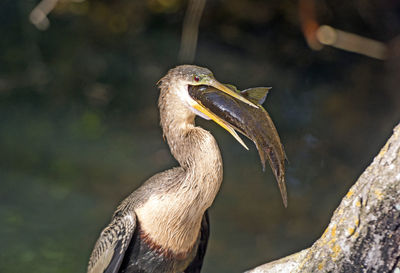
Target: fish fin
277,164
256,95
276,160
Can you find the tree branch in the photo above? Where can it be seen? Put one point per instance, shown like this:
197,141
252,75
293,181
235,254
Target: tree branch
364,232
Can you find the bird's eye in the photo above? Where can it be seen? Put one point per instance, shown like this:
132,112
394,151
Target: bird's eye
196,78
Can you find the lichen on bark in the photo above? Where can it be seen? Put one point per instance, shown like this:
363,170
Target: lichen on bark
364,232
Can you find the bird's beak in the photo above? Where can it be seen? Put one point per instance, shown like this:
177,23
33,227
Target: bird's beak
255,123
216,84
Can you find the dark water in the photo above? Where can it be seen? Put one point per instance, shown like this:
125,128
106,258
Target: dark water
79,124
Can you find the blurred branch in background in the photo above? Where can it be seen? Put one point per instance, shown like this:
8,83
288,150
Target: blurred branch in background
38,15
317,36
328,35
190,30
309,24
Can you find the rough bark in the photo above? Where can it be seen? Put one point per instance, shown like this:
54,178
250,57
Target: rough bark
364,232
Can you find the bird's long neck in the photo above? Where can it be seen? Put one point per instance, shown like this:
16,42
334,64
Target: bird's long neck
193,147
173,218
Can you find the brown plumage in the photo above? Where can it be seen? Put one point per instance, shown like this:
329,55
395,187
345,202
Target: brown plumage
169,207
163,225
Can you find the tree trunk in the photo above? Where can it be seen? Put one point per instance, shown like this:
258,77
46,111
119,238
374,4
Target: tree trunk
364,232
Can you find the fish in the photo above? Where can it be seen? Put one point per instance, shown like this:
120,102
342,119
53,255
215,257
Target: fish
253,122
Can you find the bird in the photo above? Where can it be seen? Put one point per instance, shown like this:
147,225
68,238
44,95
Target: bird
163,226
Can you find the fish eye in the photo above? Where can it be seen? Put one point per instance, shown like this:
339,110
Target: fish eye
196,78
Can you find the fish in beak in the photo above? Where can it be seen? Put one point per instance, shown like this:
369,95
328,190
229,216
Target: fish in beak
235,114
230,90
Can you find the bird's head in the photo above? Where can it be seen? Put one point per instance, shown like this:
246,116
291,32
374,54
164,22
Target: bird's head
181,78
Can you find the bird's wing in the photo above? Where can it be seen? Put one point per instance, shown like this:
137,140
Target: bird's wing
197,263
110,248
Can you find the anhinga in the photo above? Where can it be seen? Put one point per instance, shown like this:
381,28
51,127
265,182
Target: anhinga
163,225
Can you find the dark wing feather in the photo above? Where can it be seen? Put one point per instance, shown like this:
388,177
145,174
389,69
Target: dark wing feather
110,248
197,263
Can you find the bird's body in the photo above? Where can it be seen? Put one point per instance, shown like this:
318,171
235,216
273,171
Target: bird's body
163,225
169,208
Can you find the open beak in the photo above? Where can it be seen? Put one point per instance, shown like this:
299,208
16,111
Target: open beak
232,114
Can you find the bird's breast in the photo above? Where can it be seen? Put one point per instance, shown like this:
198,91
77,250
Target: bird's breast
169,223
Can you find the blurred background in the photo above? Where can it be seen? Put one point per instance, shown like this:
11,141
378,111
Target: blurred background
79,127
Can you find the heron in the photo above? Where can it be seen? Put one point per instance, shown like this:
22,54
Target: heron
163,226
